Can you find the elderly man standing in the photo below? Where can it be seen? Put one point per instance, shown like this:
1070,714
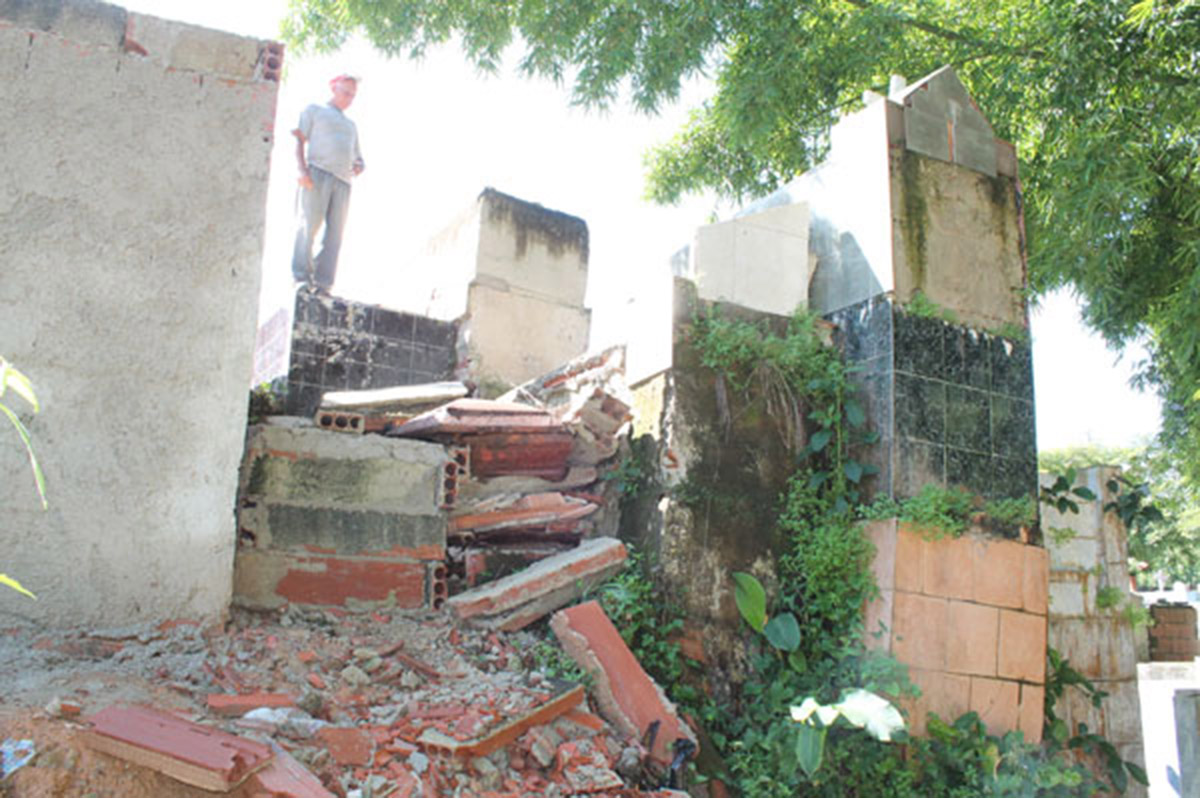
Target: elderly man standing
329,157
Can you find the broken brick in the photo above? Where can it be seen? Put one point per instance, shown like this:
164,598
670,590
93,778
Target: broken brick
347,746
185,751
284,777
231,705
521,598
626,695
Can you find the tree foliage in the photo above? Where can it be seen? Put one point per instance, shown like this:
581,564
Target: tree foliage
1159,505
1101,98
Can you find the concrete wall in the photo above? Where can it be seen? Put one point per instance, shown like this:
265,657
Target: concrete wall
514,275
132,192
1088,553
326,518
916,194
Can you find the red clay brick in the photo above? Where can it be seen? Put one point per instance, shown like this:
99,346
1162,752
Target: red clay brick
910,559
625,694
919,631
971,642
286,778
185,751
1036,584
998,572
520,599
230,705
1022,648
333,580
347,746
1031,712
996,703
947,568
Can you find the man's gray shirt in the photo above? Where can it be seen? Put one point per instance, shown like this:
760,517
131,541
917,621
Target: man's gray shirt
332,140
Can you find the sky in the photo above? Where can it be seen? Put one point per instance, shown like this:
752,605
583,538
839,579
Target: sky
435,133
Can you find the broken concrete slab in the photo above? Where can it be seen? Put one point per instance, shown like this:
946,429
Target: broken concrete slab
626,695
517,600
185,751
476,490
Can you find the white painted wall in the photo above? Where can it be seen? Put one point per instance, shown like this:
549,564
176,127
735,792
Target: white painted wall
132,191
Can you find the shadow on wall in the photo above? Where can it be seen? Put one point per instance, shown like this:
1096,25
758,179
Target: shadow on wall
842,276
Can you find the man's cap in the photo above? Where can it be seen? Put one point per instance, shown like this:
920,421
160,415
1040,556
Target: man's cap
345,76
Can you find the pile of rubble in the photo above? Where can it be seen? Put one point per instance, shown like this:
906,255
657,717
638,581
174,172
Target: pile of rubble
329,702
337,694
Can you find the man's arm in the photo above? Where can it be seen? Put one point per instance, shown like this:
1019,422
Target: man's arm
301,161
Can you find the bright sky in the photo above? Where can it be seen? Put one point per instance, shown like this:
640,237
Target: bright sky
435,134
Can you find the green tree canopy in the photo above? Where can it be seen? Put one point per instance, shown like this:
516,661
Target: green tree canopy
1101,98
1159,506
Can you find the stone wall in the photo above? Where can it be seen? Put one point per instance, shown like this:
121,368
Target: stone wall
968,617
1088,560
132,198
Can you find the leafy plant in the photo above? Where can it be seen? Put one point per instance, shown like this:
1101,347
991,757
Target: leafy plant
862,709
1063,494
924,307
1060,676
1108,597
18,383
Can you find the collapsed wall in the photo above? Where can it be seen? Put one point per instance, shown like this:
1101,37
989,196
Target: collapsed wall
132,194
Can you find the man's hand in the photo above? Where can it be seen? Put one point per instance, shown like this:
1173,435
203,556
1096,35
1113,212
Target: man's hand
305,179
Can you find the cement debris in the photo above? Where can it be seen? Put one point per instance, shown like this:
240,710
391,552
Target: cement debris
435,709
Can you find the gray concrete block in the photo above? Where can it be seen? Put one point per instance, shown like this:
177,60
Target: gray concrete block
352,531
192,48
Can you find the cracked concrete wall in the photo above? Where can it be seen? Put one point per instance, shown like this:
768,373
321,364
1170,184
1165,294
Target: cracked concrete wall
132,201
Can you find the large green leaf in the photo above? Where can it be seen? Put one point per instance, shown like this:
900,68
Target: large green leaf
751,600
783,632
810,748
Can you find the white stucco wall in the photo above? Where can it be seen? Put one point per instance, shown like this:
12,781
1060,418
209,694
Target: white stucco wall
132,192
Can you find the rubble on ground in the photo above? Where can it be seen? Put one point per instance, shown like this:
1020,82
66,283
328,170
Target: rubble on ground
402,696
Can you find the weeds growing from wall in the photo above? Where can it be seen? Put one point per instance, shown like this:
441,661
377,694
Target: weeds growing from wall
825,580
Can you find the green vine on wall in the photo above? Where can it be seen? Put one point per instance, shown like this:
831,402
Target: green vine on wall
815,645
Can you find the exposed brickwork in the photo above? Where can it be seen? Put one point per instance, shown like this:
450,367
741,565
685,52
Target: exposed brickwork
1173,635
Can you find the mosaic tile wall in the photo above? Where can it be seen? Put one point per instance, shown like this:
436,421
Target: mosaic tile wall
950,404
340,345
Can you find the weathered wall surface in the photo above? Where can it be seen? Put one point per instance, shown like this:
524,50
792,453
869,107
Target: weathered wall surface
720,463
327,517
1088,561
132,192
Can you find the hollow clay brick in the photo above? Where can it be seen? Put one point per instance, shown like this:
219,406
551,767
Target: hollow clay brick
971,643
625,694
919,631
1022,649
